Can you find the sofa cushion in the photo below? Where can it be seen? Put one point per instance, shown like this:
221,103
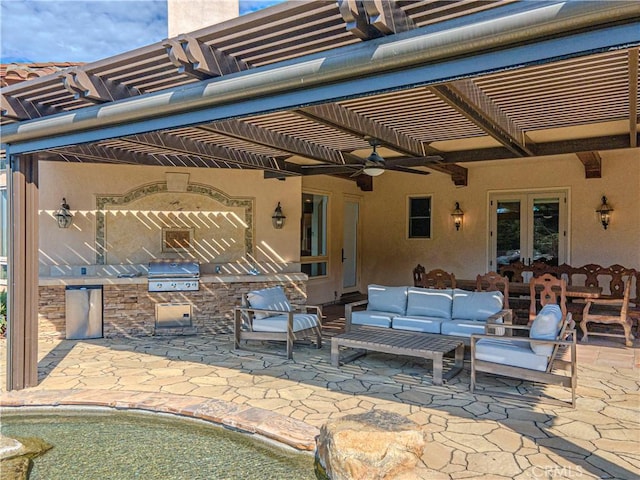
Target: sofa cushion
546,326
509,352
387,299
462,328
278,323
269,299
374,318
429,302
476,305
418,324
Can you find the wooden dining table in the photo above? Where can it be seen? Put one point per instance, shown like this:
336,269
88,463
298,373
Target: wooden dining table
520,289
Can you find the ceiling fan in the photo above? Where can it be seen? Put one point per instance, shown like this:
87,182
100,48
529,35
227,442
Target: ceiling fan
375,165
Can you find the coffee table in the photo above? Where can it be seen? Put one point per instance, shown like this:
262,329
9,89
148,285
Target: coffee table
400,342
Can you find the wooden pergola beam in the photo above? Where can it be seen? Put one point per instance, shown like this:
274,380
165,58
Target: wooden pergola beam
633,97
469,100
186,146
93,88
22,303
199,60
369,19
592,164
286,143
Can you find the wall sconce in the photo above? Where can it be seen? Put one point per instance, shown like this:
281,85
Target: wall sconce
604,212
278,217
457,215
63,215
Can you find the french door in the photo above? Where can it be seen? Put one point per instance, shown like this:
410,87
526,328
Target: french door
528,227
350,255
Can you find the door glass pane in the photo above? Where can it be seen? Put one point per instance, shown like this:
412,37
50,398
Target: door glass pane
313,233
546,230
508,229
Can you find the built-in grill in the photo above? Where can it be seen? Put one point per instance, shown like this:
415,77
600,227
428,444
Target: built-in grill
173,276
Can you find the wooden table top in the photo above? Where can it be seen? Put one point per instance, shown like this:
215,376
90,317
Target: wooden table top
517,288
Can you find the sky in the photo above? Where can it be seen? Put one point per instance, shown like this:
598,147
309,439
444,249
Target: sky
84,30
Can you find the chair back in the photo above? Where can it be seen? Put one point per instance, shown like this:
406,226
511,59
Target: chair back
438,279
492,282
547,289
418,273
626,297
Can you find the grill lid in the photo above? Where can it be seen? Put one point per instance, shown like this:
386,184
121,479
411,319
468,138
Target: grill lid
173,269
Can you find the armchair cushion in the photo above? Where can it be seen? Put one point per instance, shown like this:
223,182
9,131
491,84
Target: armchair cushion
387,299
269,299
429,302
462,328
545,327
476,305
510,352
278,322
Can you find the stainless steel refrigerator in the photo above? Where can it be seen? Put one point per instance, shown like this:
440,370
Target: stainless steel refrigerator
83,311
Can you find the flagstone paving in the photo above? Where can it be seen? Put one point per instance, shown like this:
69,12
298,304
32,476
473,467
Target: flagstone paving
468,436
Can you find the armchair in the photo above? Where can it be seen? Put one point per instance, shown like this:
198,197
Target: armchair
267,315
609,311
537,357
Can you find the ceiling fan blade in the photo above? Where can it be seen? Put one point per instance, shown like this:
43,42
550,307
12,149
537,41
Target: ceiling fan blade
414,161
398,168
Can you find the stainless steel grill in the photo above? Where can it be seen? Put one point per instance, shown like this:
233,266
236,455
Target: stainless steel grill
173,276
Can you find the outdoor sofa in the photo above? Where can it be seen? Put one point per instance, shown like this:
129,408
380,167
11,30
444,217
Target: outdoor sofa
449,311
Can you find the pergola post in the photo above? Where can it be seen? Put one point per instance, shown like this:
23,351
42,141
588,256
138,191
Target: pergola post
22,300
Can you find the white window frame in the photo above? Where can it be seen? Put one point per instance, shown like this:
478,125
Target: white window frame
310,259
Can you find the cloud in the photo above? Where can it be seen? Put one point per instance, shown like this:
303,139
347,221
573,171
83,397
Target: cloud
248,6
79,31
84,31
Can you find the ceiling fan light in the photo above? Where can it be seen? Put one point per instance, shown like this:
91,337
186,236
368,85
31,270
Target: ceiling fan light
373,171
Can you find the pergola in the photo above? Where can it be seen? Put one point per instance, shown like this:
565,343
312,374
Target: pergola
304,88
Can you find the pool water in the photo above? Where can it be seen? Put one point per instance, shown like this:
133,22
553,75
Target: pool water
105,445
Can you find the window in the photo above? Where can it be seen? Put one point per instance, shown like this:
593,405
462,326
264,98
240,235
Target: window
419,217
313,234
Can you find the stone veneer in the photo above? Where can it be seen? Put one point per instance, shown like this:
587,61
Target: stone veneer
129,309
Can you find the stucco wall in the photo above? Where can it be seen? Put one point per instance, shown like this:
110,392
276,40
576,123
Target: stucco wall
390,256
66,251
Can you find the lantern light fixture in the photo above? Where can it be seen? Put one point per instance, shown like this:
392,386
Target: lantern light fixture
457,215
278,218
63,215
604,212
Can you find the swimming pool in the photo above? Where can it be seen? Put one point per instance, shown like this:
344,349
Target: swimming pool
104,444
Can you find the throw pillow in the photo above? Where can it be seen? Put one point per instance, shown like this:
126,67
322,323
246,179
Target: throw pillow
269,299
545,326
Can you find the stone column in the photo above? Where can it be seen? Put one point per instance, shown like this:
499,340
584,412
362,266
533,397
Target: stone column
185,16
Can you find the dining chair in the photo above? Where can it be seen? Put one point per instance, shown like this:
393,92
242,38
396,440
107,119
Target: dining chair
493,281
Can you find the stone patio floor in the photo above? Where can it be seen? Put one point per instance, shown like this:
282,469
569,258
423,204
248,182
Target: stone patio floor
468,436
